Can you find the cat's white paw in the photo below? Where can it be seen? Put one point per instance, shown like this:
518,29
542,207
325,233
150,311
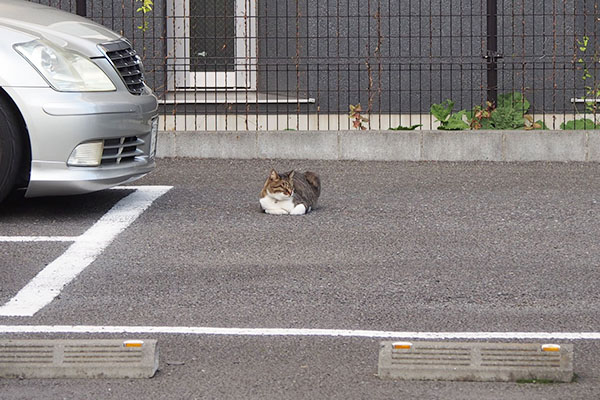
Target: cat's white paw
300,209
276,211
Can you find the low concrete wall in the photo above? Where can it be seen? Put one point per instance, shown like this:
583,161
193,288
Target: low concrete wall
384,145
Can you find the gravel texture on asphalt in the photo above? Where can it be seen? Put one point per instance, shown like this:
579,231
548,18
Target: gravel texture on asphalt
393,246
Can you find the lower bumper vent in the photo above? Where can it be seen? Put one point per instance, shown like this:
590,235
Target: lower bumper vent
121,150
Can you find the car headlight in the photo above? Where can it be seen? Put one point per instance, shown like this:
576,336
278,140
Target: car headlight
65,70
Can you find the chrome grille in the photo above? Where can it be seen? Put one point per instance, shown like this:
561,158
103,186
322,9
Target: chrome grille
128,64
121,150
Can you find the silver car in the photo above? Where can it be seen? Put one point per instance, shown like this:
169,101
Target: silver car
75,113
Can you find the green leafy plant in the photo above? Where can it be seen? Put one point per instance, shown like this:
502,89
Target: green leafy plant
479,118
145,8
583,123
357,118
448,120
510,113
406,128
515,101
592,85
507,118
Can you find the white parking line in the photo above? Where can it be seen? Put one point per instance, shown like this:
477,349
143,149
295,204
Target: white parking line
38,238
190,330
49,282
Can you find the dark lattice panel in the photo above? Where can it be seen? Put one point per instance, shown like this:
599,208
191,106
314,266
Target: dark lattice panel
212,35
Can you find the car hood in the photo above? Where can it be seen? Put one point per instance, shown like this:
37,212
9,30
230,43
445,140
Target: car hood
62,28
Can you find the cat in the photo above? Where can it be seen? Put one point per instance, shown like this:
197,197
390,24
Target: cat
294,193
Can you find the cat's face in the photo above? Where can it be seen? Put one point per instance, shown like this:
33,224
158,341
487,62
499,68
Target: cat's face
280,187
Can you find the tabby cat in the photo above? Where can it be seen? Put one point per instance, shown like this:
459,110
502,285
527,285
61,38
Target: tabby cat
294,193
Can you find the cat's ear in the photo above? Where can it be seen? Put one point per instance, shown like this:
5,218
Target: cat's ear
273,175
291,174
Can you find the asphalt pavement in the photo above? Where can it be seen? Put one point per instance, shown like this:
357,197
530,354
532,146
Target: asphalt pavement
392,246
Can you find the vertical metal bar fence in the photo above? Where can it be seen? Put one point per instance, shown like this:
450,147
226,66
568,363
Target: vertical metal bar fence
363,64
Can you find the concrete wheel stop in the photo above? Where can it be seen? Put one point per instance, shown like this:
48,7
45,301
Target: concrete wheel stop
87,358
469,361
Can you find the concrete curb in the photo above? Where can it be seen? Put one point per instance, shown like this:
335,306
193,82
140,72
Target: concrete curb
555,145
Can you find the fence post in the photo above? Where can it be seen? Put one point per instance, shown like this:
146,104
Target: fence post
492,51
81,8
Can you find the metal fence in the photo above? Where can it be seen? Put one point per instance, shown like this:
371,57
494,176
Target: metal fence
363,64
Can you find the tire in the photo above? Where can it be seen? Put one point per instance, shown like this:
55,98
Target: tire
11,147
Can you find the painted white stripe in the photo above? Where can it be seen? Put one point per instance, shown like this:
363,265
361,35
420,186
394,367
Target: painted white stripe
183,330
38,238
49,282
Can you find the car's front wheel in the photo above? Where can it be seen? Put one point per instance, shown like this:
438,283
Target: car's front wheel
11,147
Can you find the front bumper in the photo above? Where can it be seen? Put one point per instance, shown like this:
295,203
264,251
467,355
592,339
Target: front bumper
53,179
58,122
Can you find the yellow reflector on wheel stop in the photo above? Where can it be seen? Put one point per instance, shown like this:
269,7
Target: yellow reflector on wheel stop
551,347
402,345
133,343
